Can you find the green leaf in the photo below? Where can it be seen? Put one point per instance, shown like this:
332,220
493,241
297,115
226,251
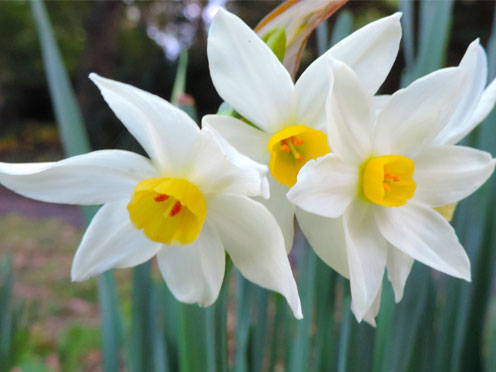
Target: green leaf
435,22
6,321
307,260
244,297
75,141
325,349
343,27
67,113
384,327
142,327
345,336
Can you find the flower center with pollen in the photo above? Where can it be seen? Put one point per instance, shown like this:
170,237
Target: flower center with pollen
169,210
387,180
291,148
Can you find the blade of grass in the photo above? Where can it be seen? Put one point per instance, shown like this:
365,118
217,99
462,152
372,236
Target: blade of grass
307,263
111,322
435,22
260,329
325,355
345,336
75,141
407,7
343,27
384,327
141,340
6,321
244,296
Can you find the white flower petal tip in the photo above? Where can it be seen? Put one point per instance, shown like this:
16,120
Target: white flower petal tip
107,176
254,241
247,74
111,241
194,273
164,131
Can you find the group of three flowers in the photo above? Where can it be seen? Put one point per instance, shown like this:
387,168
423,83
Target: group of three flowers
362,173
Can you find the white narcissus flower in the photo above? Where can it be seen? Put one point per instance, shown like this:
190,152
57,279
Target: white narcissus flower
187,205
379,185
289,118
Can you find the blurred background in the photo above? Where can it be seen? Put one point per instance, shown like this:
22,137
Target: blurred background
55,325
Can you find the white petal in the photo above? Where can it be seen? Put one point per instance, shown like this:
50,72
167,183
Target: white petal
485,106
370,52
255,243
447,174
425,235
374,310
474,64
380,102
194,272
166,133
416,114
90,179
325,186
326,236
283,211
350,115
398,266
247,74
366,256
111,241
246,139
217,167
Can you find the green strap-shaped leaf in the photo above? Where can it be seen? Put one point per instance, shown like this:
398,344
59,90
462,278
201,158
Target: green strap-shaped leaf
75,141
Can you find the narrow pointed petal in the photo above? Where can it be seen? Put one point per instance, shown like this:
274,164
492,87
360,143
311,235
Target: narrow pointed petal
247,74
282,210
217,167
90,179
248,140
374,310
415,115
367,252
474,64
166,133
370,52
325,186
484,108
326,236
252,238
111,241
448,174
194,273
426,236
398,266
350,115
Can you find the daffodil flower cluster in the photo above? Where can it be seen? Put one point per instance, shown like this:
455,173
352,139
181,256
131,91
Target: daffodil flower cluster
364,174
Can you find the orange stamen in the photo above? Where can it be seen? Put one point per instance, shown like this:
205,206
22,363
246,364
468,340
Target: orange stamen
386,187
297,141
161,197
285,147
176,209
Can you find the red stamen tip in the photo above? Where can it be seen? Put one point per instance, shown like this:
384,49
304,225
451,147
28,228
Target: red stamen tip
161,197
285,148
176,209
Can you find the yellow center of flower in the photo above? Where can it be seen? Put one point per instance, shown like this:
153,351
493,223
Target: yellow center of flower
169,210
291,148
387,180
